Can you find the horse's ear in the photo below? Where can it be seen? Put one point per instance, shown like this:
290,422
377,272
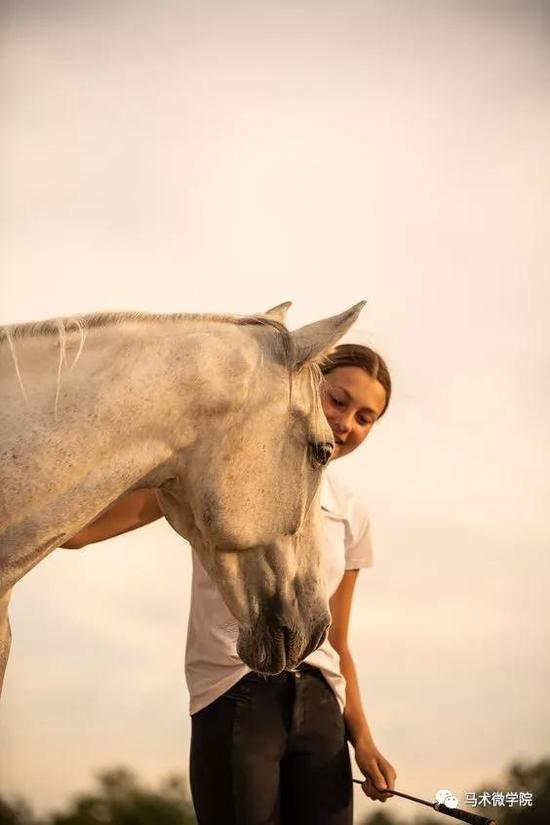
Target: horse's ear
313,341
278,313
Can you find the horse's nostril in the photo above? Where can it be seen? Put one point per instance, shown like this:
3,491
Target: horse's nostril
321,451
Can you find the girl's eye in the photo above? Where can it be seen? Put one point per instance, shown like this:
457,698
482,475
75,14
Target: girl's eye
364,421
336,401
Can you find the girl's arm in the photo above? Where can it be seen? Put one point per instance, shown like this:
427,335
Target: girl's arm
134,510
376,768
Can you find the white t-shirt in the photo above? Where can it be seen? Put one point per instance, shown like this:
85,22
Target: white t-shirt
212,665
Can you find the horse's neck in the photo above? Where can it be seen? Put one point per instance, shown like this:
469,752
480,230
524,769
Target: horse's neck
76,444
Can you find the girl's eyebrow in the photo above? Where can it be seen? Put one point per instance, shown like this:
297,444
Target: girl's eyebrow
351,398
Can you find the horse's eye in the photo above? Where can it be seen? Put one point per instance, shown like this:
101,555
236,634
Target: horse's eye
320,452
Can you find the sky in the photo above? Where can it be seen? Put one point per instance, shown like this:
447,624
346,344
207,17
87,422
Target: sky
178,156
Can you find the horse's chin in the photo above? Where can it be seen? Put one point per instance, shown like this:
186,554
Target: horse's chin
262,655
270,650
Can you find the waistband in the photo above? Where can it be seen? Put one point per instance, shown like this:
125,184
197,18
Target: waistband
285,675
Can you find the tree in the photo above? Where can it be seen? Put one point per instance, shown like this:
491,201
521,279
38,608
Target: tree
17,812
533,778
121,800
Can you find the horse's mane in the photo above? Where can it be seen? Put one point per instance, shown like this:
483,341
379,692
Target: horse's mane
282,345
97,320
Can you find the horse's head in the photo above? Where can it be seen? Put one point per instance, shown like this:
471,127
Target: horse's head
246,491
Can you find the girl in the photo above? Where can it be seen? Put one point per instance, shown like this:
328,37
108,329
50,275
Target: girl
268,750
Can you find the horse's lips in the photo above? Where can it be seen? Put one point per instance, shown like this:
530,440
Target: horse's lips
268,657
270,650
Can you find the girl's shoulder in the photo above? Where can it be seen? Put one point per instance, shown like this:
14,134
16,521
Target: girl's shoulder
339,498
341,503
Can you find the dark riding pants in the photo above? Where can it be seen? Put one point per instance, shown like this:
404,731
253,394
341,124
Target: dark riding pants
272,751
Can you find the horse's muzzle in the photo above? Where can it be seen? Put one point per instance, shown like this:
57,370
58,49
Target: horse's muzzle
272,648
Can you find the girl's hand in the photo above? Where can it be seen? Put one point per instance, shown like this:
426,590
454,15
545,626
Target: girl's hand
376,769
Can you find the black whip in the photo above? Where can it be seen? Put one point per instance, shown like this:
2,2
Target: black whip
440,807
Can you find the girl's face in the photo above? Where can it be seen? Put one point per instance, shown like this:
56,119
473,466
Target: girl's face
352,401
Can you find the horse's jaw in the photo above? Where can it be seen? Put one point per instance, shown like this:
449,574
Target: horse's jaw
277,593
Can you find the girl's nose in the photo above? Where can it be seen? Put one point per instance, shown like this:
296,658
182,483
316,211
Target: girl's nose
345,422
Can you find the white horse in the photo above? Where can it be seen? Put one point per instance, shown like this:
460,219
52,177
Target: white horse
221,414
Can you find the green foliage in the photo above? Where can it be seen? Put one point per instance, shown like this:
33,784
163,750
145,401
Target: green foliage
121,800
534,778
118,799
16,812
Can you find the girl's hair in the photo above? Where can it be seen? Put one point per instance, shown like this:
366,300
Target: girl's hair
356,355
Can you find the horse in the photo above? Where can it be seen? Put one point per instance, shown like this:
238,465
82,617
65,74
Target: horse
220,414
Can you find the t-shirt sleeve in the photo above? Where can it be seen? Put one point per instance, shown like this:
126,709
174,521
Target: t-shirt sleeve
359,552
